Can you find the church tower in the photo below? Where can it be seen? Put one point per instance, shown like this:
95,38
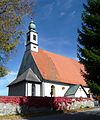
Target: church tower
32,38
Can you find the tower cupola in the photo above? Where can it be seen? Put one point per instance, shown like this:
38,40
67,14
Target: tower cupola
32,38
32,26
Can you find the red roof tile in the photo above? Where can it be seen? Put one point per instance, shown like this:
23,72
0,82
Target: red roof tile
59,68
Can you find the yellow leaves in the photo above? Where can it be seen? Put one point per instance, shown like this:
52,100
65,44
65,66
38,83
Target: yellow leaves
11,13
3,71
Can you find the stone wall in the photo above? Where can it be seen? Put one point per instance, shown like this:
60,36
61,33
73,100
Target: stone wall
24,105
29,105
11,109
73,104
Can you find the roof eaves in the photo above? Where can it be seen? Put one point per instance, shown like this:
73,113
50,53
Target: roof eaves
13,83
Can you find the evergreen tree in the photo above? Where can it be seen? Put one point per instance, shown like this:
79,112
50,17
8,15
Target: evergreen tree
89,44
11,13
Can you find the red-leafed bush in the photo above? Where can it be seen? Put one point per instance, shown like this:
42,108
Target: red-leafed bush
30,101
58,103
7,99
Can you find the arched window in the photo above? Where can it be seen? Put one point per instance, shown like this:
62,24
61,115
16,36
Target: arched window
52,91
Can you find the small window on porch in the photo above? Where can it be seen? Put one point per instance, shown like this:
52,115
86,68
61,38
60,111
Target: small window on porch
33,89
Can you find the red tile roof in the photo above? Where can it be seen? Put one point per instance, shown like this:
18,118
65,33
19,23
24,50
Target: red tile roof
59,68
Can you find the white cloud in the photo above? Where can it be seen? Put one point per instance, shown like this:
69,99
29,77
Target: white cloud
46,10
62,13
55,44
73,13
56,7
68,4
9,77
4,81
64,4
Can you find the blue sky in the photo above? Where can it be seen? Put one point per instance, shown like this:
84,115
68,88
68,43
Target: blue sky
57,22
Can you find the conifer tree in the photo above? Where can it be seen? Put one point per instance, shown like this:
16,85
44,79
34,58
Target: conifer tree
89,44
11,13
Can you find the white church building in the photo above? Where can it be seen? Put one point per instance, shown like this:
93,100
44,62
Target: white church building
43,73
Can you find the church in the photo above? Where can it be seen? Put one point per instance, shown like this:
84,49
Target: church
43,73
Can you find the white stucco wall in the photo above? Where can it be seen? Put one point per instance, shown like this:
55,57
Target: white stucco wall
37,89
34,43
31,37
59,92
80,93
87,90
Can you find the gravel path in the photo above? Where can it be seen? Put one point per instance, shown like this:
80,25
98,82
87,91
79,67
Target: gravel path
86,115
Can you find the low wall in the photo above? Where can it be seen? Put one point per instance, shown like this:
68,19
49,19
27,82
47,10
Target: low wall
27,105
24,105
72,103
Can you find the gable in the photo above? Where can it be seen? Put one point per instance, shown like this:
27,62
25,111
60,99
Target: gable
76,91
28,62
58,68
81,92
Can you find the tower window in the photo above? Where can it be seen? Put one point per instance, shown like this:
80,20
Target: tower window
34,47
34,37
28,38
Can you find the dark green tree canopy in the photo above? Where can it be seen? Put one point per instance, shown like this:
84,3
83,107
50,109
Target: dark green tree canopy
11,14
89,44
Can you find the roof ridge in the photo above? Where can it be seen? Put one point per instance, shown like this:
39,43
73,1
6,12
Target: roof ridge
59,55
